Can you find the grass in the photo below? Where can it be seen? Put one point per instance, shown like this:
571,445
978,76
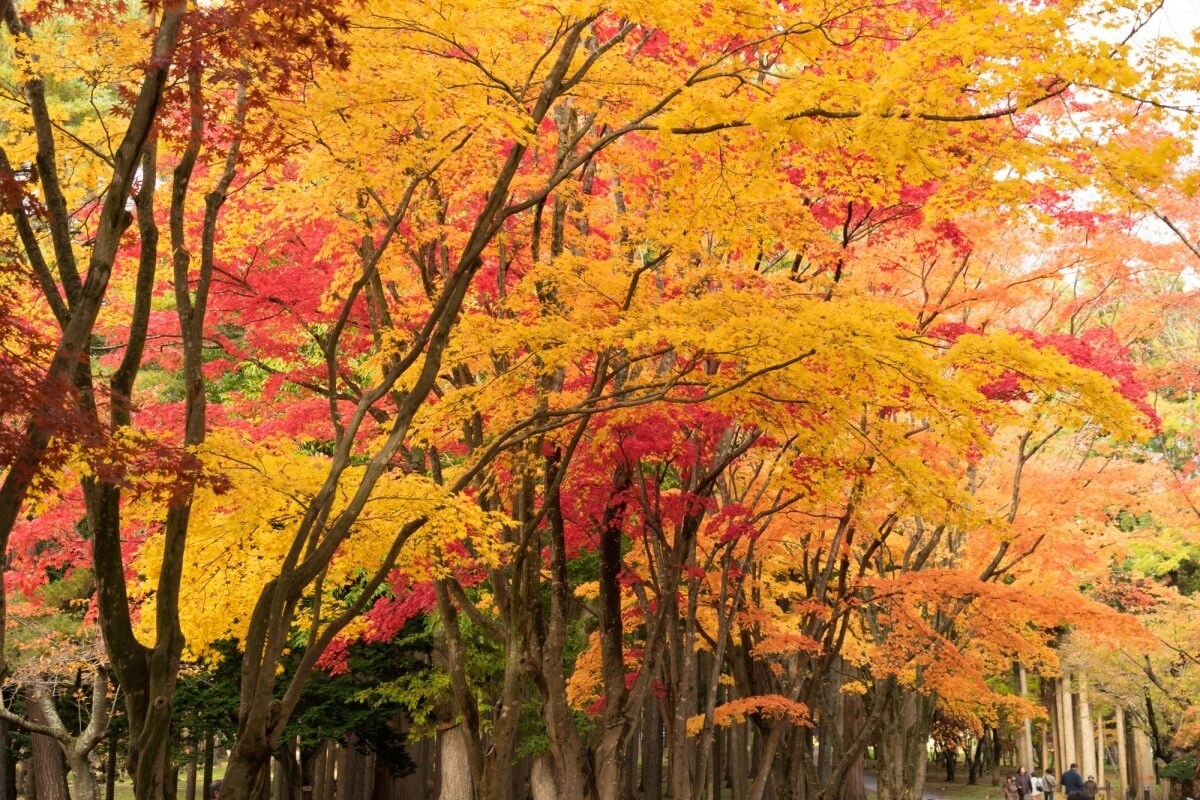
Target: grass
124,788
959,790
936,787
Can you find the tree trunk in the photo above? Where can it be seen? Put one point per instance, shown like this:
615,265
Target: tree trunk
612,747
500,758
829,724
1054,711
903,733
975,760
8,764
652,752
572,767
1143,762
206,782
542,784
247,774
1195,778
1044,758
192,765
110,770
455,766
1026,734
1069,756
950,760
1085,742
84,785
853,719
47,767
1123,755
318,791
739,761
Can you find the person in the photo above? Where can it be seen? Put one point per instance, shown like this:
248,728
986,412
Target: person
1010,789
1038,787
1072,781
1048,784
1089,787
214,790
1024,783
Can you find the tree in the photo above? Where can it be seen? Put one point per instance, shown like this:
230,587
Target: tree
495,294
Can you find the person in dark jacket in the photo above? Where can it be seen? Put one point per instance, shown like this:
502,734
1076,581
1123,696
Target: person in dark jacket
1024,783
1072,781
1089,787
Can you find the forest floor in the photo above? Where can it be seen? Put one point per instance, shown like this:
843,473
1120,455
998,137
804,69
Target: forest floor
938,789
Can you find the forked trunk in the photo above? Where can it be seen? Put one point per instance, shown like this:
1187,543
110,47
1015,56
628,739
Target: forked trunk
903,735
248,775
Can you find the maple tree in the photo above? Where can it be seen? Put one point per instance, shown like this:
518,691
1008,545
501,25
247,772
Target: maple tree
686,355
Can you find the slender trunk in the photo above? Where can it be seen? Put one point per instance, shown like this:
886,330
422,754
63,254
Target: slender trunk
1086,742
719,738
1195,776
977,761
764,760
1068,726
110,769
652,753
500,758
611,749
739,761
1123,754
463,700
207,779
573,770
8,764
1026,733
192,764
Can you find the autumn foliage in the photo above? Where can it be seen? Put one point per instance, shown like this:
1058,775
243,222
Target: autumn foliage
747,369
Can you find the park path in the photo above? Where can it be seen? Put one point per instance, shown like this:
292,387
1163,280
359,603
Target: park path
871,784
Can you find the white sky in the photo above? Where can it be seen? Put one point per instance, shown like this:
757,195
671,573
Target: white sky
1179,18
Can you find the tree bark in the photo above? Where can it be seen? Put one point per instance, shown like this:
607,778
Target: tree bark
903,732
1087,730
1026,740
572,767
652,752
1068,717
1143,762
853,719
8,764
47,767
456,781
1122,754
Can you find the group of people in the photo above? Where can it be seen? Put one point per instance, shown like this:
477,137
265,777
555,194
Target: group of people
1024,785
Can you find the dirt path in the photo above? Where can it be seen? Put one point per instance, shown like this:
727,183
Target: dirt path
871,784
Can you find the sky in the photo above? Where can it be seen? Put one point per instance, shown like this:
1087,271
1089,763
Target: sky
1179,18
